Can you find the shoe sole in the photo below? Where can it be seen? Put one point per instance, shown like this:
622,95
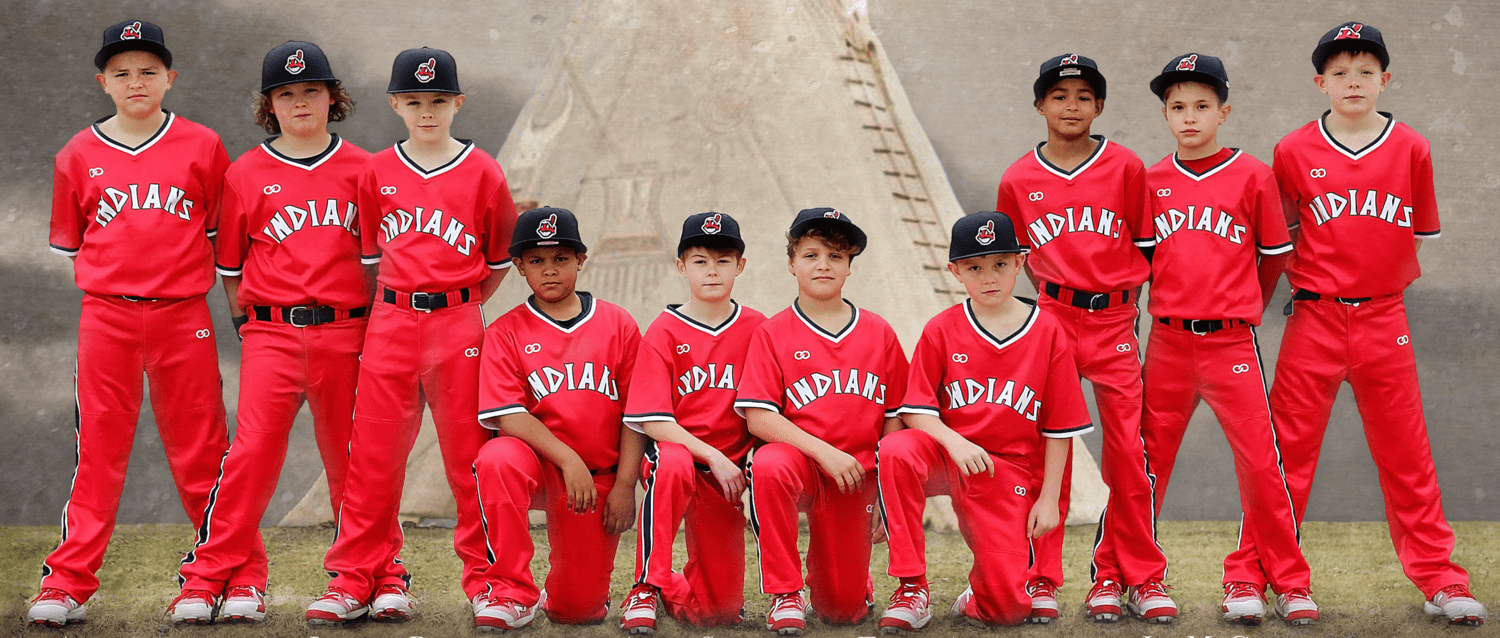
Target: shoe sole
390,616
47,623
641,630
1104,615
1248,620
787,631
1040,620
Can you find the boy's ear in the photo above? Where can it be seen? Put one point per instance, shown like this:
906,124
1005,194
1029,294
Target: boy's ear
99,77
1224,112
681,267
395,108
458,102
740,267
582,257
172,77
953,269
1318,80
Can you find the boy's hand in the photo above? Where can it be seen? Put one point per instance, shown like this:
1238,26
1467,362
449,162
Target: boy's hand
730,477
970,459
877,529
619,508
582,495
1043,518
844,469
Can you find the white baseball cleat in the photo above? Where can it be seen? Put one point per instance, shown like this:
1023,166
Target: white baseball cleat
1296,607
961,603
1458,605
1243,604
788,615
1044,607
1150,603
243,604
192,607
335,607
392,604
908,612
54,608
1103,602
638,615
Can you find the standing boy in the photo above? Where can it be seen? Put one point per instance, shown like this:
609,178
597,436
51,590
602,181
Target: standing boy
135,199
553,379
1216,210
991,379
823,380
1083,205
1357,190
691,362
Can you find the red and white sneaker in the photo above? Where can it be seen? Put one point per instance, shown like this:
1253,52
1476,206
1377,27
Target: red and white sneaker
335,607
1244,604
638,610
1044,607
54,608
1458,605
192,607
503,614
908,612
961,604
1103,602
788,615
243,604
392,604
1150,603
1297,607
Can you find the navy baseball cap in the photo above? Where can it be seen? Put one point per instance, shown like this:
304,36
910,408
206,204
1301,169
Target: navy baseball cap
808,218
1350,36
1068,65
710,230
294,62
424,70
546,226
1193,67
133,35
986,233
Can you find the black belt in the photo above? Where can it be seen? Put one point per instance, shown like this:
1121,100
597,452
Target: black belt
1200,326
605,471
304,316
425,301
138,299
1308,295
1085,299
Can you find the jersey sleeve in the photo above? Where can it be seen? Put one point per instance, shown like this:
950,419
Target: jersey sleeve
213,186
502,390
1063,413
925,375
369,218
1138,205
500,222
68,221
1286,183
1005,204
762,383
1424,220
1263,202
630,346
650,394
897,369
233,243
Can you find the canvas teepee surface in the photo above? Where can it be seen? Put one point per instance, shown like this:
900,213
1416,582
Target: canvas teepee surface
649,112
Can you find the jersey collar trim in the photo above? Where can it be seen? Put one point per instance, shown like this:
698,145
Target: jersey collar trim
137,150
1390,123
811,325
713,331
459,159
1198,177
1073,174
1013,337
571,325
302,163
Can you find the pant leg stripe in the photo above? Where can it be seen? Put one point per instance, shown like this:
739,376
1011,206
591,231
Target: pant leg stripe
648,511
484,524
1275,444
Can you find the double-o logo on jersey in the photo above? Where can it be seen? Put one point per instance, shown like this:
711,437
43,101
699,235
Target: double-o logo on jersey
272,189
1403,340
1241,368
1318,173
1163,192
294,63
533,348
1124,347
426,71
986,234
204,333
471,352
713,224
1020,490
959,357
548,227
801,355
682,348
95,172
387,190
1035,196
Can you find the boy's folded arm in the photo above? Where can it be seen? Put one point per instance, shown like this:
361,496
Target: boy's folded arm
670,431
970,458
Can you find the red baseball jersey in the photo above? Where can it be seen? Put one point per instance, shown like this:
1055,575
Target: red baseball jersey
998,392
1084,225
437,230
573,376
291,228
138,219
837,387
689,372
1358,210
1209,225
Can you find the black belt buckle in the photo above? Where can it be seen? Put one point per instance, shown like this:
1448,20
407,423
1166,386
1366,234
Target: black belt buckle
137,299
1099,301
1201,327
301,316
427,302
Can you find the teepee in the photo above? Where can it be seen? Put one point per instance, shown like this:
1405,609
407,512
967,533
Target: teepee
652,110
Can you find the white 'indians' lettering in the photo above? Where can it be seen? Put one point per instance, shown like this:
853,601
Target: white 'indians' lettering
291,218
1223,225
1330,206
573,377
1052,225
818,385
399,221
698,378
136,197
967,392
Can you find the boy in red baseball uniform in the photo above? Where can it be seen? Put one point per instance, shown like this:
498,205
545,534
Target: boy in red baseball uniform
436,215
553,380
682,392
135,201
1080,203
1357,190
299,298
1216,211
991,380
823,380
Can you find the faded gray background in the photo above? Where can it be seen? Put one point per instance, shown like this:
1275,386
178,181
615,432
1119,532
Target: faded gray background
967,67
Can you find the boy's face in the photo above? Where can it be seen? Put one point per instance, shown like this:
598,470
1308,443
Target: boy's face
1352,80
428,116
710,273
302,108
989,279
136,81
551,271
820,270
1194,114
1070,108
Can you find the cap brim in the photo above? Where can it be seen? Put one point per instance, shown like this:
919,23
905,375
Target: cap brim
115,48
708,241
518,248
1161,82
860,239
990,251
395,91
1327,49
268,87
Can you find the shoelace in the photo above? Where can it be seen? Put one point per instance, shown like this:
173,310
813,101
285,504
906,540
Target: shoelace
1300,593
1455,591
1241,590
51,593
1042,588
1152,589
641,600
189,594
1110,587
787,601
241,591
906,592
337,593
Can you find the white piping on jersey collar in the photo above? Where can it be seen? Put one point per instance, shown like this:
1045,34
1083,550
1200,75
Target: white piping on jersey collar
151,141
1390,125
848,329
1000,344
338,143
702,327
588,313
1070,175
459,159
1198,178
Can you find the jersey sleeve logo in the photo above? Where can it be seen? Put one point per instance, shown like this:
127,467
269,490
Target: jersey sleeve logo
1318,173
533,348
801,355
713,224
294,63
683,348
387,190
1163,192
986,234
959,357
95,172
426,71
548,227
1035,196
272,189
1189,63
1350,32
1072,58
131,32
